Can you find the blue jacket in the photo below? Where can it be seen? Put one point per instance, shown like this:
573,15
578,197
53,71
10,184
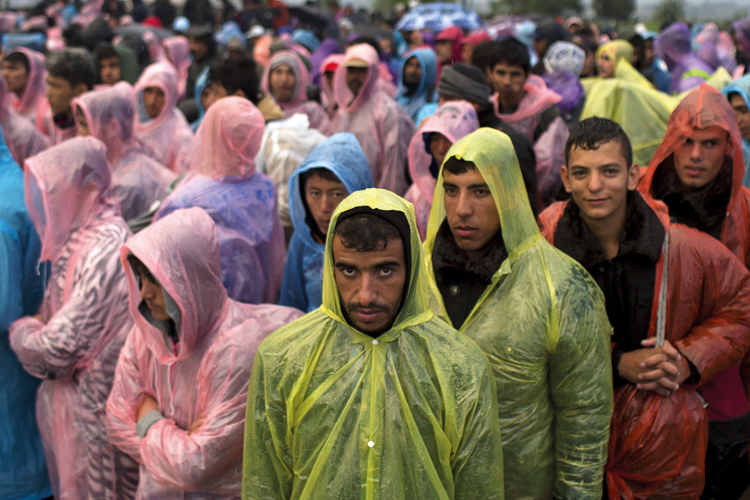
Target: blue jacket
200,83
302,287
23,470
425,91
742,87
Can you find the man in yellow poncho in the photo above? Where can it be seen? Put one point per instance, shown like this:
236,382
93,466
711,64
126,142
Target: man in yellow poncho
370,396
536,314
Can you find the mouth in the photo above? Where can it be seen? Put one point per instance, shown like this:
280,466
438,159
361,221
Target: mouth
465,231
596,201
368,315
694,171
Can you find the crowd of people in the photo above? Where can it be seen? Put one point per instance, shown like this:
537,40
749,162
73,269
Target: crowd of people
268,254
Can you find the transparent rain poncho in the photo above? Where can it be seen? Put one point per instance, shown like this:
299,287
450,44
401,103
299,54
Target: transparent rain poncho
32,104
242,202
424,92
300,103
543,326
167,137
335,413
674,46
23,139
137,180
382,128
85,319
453,120
742,88
208,379
177,50
342,155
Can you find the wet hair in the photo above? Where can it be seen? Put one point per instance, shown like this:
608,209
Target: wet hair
366,232
105,51
458,167
237,74
19,58
321,172
75,65
511,52
483,54
591,133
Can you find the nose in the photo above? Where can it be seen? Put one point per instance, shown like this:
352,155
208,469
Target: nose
463,207
595,182
367,294
326,204
696,151
147,290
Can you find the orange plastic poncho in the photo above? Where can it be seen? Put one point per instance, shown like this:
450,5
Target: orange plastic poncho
707,107
657,444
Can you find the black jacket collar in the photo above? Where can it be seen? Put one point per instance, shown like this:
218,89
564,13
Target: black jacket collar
447,255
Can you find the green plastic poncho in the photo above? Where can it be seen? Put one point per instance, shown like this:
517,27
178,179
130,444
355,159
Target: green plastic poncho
336,414
543,326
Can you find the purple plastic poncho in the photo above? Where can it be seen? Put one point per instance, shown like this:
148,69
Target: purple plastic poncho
688,69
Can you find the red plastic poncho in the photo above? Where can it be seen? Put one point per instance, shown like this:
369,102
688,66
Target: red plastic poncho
33,104
657,445
177,49
84,319
208,379
21,137
381,126
300,103
168,137
137,180
454,120
707,107
330,63
241,201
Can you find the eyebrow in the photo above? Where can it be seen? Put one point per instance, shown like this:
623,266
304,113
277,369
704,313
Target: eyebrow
606,165
344,265
473,186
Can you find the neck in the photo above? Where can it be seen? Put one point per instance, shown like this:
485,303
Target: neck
510,103
608,230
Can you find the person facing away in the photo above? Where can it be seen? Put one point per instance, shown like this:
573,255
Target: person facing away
74,341
452,121
159,125
371,395
21,137
674,47
242,202
70,73
178,401
382,128
536,314
738,94
137,180
418,81
336,168
24,474
286,79
697,173
658,435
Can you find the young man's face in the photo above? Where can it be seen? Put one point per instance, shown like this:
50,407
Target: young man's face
59,94
470,210
606,66
370,284
355,78
412,72
109,70
439,146
742,113
197,48
152,294
649,54
323,196
282,82
444,51
467,51
598,180
508,81
699,159
153,101
83,124
16,76
540,47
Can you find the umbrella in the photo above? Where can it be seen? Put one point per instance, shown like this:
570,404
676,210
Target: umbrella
438,16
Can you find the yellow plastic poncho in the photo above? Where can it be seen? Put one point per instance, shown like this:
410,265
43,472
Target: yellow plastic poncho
335,414
543,326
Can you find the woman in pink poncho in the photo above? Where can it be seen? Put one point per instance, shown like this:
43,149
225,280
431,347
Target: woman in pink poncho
137,180
298,102
32,104
23,139
427,150
242,202
185,368
74,343
160,126
177,50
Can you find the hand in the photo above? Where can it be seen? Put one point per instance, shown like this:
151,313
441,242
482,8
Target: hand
197,425
660,369
148,404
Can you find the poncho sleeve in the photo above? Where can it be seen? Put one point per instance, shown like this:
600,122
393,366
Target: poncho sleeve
398,129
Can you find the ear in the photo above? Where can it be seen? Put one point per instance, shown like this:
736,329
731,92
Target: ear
239,93
634,175
565,178
80,88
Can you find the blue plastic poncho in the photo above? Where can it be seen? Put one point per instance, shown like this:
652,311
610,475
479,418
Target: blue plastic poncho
425,90
333,413
302,287
23,474
742,87
200,84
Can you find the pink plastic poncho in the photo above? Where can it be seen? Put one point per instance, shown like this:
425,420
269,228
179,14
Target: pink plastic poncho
319,120
548,147
168,137
331,62
208,379
454,120
21,137
381,126
155,48
84,319
177,49
33,104
137,180
241,201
